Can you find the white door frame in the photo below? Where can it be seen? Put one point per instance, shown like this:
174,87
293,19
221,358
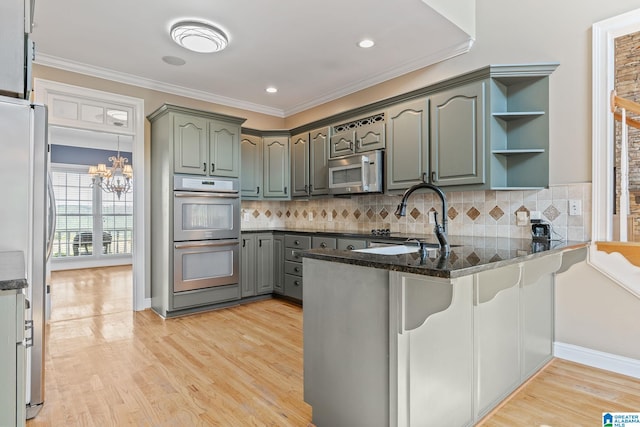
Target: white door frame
72,102
604,34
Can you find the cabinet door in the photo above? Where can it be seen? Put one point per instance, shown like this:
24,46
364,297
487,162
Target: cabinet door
342,143
458,135
264,264
251,170
248,266
351,244
319,161
224,149
276,167
190,145
408,144
370,137
300,165
278,264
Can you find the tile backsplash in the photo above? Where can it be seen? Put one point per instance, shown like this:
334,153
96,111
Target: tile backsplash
469,213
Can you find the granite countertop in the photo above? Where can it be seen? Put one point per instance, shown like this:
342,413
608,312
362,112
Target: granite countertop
469,255
13,284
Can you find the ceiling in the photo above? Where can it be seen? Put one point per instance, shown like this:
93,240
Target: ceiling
307,49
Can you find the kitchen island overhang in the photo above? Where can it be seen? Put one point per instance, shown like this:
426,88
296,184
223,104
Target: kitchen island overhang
401,341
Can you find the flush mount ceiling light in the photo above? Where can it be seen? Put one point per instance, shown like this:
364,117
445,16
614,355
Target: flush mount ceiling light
366,43
199,36
271,89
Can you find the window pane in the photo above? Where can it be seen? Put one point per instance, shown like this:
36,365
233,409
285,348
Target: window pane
74,222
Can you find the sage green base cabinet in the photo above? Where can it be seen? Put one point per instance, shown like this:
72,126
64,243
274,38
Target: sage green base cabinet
388,348
407,154
457,119
293,280
12,359
278,264
204,143
257,264
350,244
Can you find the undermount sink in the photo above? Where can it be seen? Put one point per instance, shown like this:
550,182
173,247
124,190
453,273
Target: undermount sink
390,250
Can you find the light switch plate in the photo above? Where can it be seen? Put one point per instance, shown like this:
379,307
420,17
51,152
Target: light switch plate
575,207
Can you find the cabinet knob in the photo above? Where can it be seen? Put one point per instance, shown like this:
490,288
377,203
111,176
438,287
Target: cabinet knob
204,166
323,245
295,282
296,242
350,247
296,269
306,189
213,167
434,177
258,190
285,190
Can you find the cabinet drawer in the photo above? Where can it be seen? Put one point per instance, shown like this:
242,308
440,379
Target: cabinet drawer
297,241
351,244
291,254
294,268
323,242
293,286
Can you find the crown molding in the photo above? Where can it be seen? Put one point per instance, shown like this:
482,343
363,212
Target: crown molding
402,69
130,79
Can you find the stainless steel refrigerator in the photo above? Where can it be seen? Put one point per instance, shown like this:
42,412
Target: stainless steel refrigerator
26,220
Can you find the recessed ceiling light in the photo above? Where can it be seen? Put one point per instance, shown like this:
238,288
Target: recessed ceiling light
271,89
366,43
174,60
199,36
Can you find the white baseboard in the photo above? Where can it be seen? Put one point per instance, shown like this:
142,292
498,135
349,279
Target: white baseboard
597,359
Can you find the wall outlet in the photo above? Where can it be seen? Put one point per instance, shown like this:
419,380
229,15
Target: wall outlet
522,218
575,207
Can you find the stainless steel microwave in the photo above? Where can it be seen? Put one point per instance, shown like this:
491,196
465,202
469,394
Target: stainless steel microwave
356,173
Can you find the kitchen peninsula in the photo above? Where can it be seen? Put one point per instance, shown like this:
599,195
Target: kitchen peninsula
410,340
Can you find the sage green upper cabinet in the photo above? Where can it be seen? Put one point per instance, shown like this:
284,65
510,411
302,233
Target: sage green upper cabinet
190,144
309,163
276,167
251,158
407,152
300,165
319,161
520,130
365,134
457,141
224,149
206,147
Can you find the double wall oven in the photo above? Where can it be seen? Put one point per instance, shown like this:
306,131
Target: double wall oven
206,232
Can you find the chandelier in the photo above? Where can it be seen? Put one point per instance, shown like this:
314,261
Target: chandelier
116,179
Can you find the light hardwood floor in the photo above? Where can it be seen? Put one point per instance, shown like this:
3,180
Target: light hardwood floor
242,366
